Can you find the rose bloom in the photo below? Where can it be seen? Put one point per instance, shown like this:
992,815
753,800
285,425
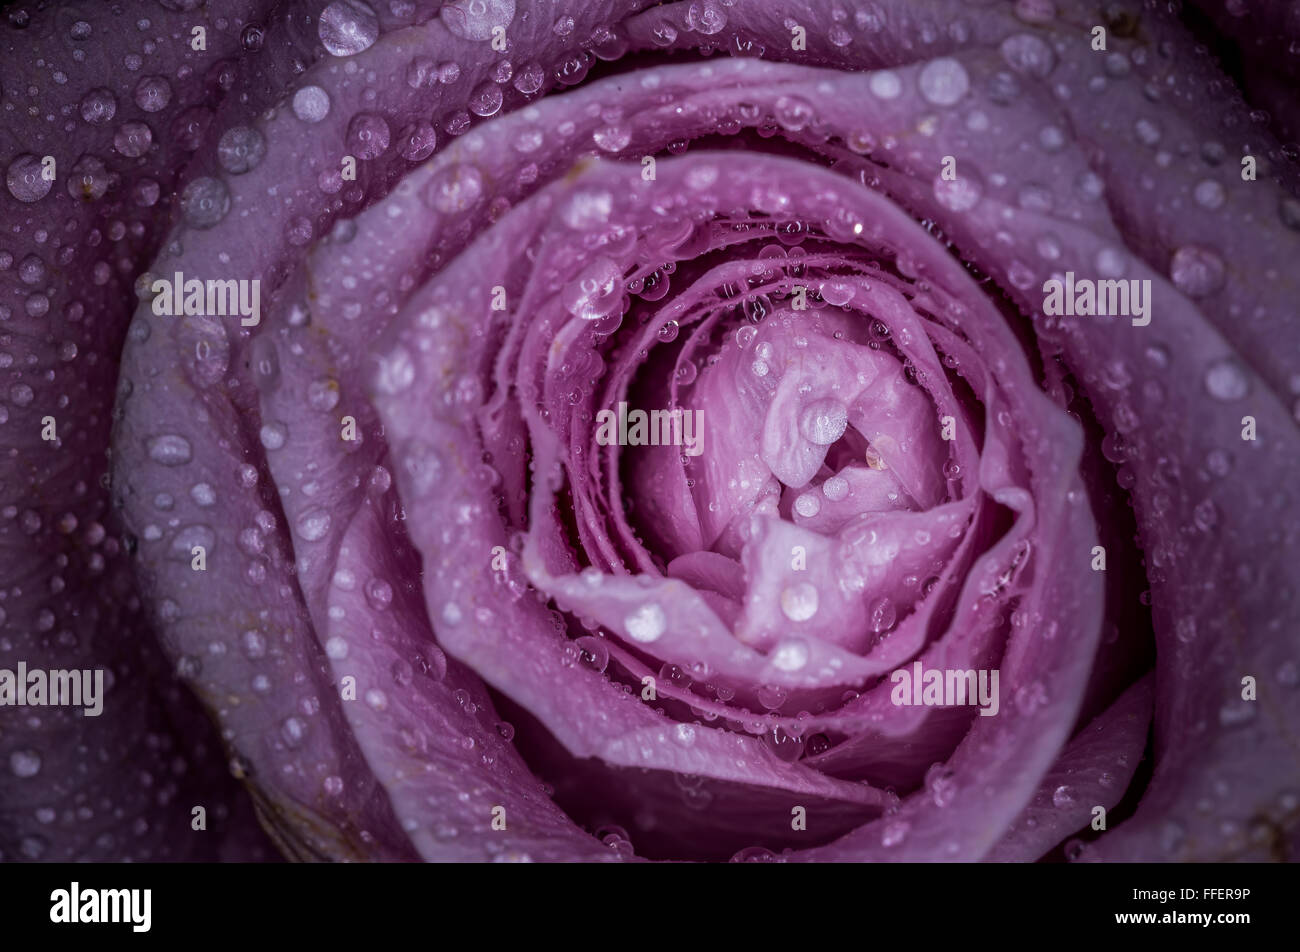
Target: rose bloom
723,429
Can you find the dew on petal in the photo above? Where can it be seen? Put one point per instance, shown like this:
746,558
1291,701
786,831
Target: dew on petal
348,27
799,601
311,104
647,623
943,82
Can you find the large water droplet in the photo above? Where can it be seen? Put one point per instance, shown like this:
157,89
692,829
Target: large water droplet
943,82
596,292
612,138
417,141
646,623
311,104
348,27
885,84
823,421
455,189
98,106
799,601
89,179
396,371
790,655
169,450
1225,380
474,19
205,202
807,504
894,832
240,149
705,17
486,100
25,763
1197,271
368,135
24,179
1028,54
312,524
153,93
593,653
959,195
132,139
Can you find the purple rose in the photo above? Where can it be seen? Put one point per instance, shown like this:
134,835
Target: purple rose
530,436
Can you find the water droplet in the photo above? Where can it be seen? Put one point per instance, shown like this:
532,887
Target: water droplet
705,17
1062,796
132,139
807,504
612,138
348,27
1237,712
240,149
596,292
593,653
647,623
254,644
417,141
169,450
1209,194
529,79
883,615
793,113
89,179
153,93
24,179
1225,380
1197,271
835,488
823,421
940,784
205,202
790,655
313,524
799,601
474,19
894,832
311,104
943,81
25,763
755,854
98,106
486,100
1028,54
885,84
273,434
1206,515
367,136
379,593
456,189
959,195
